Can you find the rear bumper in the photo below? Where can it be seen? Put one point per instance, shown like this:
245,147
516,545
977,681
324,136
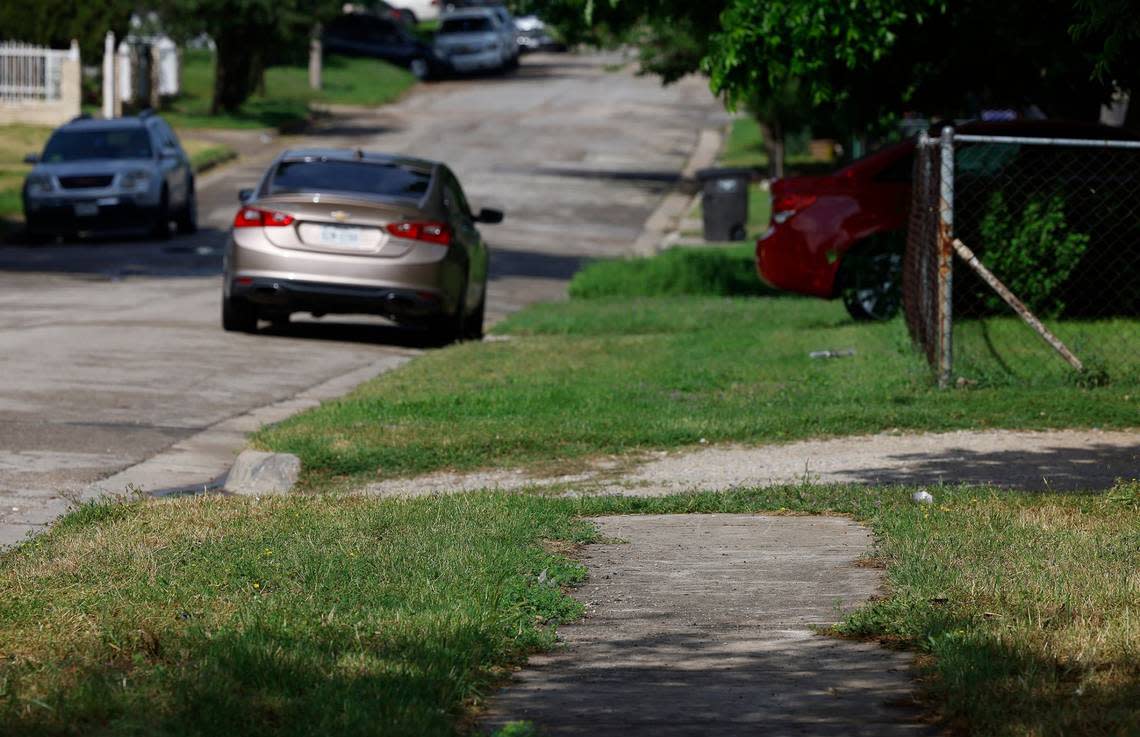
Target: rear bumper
789,259
287,295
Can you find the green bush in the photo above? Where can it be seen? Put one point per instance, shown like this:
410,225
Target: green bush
715,271
1033,252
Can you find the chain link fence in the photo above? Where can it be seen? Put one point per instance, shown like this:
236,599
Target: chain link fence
1022,262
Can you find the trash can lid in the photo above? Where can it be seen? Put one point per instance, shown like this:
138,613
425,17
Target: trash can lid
738,172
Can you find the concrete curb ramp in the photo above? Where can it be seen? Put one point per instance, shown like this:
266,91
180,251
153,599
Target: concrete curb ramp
702,625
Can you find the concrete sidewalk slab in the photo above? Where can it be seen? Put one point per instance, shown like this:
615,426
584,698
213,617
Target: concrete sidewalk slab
702,625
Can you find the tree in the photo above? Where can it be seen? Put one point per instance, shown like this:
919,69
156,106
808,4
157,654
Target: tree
55,22
246,33
852,67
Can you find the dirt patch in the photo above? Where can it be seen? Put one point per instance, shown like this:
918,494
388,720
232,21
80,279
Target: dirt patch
1041,461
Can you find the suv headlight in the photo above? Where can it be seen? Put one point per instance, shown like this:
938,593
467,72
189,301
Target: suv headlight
40,184
137,180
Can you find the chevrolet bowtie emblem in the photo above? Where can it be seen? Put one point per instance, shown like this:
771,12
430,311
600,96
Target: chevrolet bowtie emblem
340,215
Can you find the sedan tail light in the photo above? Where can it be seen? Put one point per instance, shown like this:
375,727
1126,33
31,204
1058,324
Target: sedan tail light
430,232
251,217
786,205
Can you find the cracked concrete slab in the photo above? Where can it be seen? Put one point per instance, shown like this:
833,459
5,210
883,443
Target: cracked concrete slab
703,625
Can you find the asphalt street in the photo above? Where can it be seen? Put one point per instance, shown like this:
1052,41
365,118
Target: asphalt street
111,350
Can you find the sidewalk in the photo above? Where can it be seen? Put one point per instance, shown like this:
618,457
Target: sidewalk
703,625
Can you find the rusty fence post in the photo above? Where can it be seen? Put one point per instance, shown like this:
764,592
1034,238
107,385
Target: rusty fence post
946,258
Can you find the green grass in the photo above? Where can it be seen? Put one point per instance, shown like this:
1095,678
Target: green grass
205,154
744,144
728,271
615,375
351,616
16,141
288,99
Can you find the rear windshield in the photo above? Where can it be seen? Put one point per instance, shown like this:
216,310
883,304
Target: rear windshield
349,176
113,143
465,25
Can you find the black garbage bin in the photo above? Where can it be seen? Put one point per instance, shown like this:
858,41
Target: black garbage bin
724,202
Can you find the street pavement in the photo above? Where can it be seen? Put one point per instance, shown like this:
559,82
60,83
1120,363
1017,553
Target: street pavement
111,350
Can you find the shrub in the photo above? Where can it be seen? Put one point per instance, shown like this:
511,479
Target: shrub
1033,252
689,271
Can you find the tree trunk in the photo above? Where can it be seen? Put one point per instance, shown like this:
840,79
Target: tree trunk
773,134
234,74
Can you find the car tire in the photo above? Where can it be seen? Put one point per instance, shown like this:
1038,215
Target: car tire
420,68
187,220
872,280
160,229
473,323
452,328
238,315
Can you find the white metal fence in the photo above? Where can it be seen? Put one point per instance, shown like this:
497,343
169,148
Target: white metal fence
30,73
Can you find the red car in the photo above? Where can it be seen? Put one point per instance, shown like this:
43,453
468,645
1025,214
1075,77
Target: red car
843,234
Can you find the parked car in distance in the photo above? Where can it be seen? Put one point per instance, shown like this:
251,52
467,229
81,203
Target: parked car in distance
475,39
532,35
509,31
341,231
125,173
843,234
364,34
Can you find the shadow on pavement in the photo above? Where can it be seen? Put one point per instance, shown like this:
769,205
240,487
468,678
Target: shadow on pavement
1090,468
673,682
508,263
372,333
194,255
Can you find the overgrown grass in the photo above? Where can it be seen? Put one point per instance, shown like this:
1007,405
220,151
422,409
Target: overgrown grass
728,271
301,615
16,141
287,101
343,615
206,154
617,375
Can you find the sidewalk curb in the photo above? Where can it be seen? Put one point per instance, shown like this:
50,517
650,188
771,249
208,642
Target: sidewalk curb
676,203
208,455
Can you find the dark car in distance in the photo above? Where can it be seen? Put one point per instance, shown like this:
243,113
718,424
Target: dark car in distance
363,34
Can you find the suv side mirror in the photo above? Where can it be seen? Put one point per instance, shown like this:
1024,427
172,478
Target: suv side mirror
245,195
32,159
169,152
489,216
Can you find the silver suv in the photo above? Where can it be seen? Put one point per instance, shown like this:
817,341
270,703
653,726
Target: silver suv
110,174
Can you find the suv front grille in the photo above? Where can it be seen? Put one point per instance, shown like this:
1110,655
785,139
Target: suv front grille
86,182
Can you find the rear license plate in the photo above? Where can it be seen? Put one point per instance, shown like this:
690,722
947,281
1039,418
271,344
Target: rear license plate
86,209
332,235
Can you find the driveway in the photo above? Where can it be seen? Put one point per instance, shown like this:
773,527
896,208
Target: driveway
111,351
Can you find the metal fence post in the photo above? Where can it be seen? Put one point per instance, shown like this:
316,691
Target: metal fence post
946,259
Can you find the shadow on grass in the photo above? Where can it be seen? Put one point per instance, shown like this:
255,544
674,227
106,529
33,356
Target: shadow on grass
265,679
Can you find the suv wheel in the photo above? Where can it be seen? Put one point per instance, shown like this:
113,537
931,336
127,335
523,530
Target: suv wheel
872,281
161,227
187,219
419,68
238,315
